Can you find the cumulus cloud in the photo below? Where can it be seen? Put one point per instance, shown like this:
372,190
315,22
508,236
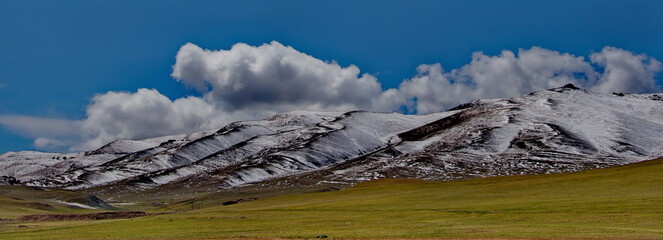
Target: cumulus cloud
509,74
626,71
144,114
251,82
275,77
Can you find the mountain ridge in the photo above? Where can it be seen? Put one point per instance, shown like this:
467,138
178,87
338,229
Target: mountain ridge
556,130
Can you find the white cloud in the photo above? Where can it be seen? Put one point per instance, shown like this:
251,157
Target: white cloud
47,143
123,115
273,77
39,127
429,91
626,71
510,74
50,134
144,114
247,82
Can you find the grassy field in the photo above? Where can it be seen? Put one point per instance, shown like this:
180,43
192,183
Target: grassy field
19,200
620,203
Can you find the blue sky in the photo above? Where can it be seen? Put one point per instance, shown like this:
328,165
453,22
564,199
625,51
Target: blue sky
56,56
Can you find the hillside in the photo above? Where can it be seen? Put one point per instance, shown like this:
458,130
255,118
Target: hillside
624,202
19,200
563,129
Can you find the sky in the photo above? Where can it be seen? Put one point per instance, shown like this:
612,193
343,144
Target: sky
75,75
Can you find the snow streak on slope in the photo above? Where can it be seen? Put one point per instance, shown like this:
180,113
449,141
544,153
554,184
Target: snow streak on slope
29,165
562,129
289,152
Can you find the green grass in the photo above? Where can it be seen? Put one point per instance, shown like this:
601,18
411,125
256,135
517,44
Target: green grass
622,203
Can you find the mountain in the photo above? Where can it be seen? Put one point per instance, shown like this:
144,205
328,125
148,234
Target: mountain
557,130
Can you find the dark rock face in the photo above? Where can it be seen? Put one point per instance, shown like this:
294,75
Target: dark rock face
7,180
570,86
241,200
96,202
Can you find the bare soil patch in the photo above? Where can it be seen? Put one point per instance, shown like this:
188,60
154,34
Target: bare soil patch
89,216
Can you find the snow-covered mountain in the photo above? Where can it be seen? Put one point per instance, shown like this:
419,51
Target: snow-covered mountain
556,130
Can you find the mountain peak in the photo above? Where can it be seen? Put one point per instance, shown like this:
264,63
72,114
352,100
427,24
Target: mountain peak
570,86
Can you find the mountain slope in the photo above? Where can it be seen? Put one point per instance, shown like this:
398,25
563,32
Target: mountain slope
20,200
556,130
